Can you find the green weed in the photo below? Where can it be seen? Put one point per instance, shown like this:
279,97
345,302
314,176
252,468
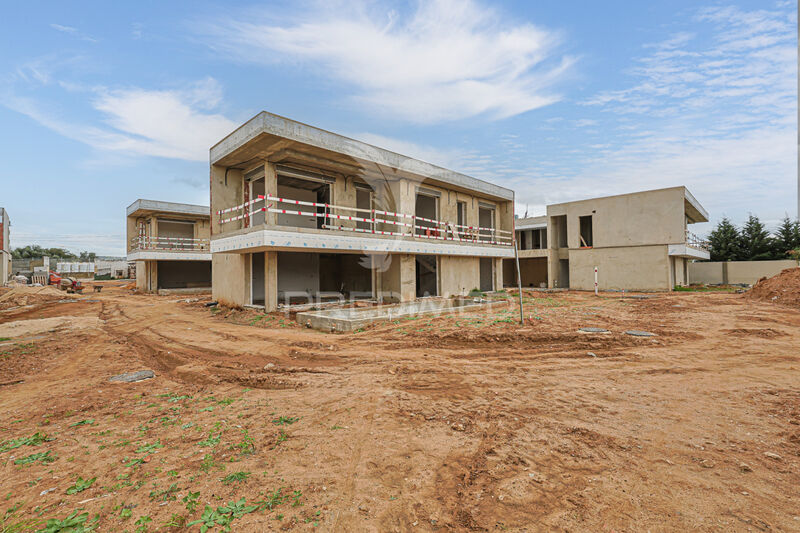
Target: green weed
236,477
81,485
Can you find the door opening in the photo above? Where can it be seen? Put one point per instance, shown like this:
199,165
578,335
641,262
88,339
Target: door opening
487,274
257,293
427,275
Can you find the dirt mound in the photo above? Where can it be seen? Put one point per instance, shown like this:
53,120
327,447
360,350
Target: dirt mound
782,289
24,295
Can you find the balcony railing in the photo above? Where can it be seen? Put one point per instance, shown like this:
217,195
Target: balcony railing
696,242
174,244
378,222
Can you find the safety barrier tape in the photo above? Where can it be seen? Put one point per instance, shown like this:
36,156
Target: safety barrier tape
379,212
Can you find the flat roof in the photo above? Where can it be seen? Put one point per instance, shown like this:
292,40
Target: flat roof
142,207
531,222
266,134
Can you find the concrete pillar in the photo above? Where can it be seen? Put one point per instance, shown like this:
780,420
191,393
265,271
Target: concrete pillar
271,189
408,278
398,283
498,273
270,281
141,275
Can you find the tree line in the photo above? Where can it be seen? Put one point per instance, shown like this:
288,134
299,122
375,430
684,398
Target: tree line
60,254
752,242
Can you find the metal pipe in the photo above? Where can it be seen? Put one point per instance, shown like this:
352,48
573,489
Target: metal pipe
519,280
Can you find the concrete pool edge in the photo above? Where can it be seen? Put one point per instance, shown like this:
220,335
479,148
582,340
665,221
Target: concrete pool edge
325,320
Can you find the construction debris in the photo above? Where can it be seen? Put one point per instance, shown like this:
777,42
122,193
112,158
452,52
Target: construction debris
783,289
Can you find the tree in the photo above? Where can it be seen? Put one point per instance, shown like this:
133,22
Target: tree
754,240
35,251
786,238
87,257
725,241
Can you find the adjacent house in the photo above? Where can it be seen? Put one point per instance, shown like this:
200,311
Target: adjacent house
5,247
637,241
169,243
301,214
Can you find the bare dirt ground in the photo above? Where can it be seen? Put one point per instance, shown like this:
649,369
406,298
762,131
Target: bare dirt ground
465,423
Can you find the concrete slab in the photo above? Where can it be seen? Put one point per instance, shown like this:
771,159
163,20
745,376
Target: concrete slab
350,319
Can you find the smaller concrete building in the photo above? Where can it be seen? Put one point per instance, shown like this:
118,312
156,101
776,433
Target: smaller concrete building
169,243
637,241
5,247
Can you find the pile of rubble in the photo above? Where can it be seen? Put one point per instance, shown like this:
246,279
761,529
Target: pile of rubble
782,289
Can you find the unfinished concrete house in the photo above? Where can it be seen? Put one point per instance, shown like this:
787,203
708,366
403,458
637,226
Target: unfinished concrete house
301,215
169,243
5,247
637,241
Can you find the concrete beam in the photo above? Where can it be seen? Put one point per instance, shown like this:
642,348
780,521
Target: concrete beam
142,207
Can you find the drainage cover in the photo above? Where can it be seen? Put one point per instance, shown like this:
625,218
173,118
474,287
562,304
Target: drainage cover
133,377
636,333
593,330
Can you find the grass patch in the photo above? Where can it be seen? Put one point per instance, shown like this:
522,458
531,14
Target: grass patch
81,485
236,477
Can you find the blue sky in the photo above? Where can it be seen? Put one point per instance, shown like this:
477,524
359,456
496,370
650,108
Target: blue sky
104,103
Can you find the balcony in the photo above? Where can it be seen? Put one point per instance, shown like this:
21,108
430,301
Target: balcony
693,248
315,225
696,242
169,248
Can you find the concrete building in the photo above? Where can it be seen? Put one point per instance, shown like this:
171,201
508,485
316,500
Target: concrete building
169,242
303,214
5,247
638,241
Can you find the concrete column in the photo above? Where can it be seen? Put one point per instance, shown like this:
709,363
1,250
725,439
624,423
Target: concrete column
401,196
408,278
270,281
498,273
141,275
398,282
271,189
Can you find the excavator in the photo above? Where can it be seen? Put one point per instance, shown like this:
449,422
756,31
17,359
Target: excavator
71,285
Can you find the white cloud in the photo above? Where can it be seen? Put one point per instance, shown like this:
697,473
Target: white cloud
174,124
714,109
69,30
447,59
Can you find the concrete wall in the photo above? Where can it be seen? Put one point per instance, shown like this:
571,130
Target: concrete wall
5,266
651,217
5,223
458,275
229,279
644,268
749,272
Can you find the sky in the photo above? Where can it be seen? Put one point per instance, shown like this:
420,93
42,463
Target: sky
105,102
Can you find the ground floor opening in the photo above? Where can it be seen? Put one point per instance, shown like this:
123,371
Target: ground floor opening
279,278
183,274
427,275
533,272
306,277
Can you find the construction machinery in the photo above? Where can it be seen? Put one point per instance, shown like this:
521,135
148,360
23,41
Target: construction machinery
71,285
